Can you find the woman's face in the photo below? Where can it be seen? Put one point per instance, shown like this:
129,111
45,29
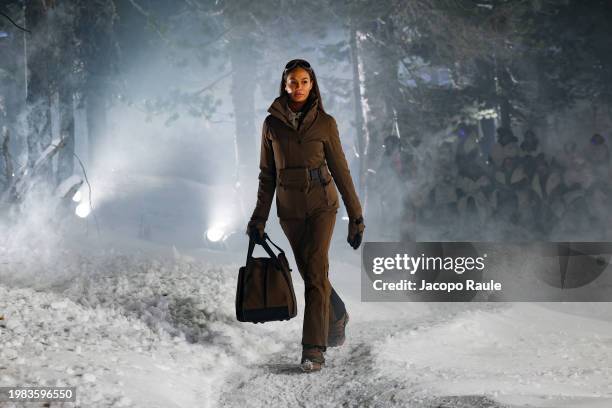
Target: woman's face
298,84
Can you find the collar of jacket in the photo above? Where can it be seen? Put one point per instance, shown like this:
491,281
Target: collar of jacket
280,110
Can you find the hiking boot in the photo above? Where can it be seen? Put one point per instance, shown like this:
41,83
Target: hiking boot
312,359
336,335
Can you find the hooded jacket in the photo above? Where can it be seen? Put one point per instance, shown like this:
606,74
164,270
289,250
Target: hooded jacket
289,151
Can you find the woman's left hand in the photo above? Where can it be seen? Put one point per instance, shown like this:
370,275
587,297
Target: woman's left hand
355,232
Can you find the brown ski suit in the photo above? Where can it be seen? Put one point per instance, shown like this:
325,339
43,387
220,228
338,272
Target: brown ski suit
293,164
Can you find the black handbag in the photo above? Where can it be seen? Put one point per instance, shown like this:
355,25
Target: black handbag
265,289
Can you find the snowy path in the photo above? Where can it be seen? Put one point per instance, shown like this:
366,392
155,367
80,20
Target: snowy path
157,329
510,355
350,377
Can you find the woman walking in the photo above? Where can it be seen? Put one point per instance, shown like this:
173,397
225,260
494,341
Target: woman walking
303,162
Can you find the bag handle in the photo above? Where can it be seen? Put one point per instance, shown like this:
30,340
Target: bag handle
250,251
265,245
266,236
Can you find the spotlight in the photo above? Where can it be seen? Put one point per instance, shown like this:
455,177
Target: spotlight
214,234
83,209
77,196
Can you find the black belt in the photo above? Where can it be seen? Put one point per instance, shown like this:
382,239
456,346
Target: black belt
316,175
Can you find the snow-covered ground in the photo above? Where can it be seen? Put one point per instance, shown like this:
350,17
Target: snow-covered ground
126,330
523,353
138,324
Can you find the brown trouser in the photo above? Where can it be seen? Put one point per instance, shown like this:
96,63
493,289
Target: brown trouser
310,240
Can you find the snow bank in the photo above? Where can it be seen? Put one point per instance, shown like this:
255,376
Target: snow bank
523,354
130,327
113,360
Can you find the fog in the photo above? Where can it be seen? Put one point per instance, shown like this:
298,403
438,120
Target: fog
167,107
130,136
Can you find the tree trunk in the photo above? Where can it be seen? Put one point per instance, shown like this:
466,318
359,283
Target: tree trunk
359,107
12,97
63,18
97,51
65,164
505,107
96,123
243,100
242,58
378,76
6,163
38,98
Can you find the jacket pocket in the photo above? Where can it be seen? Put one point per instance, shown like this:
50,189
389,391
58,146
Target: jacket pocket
291,191
331,194
329,187
322,196
290,204
295,178
326,176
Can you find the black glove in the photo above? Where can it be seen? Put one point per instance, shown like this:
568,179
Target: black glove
355,232
255,230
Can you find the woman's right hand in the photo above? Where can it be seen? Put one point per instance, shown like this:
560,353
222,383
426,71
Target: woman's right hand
255,230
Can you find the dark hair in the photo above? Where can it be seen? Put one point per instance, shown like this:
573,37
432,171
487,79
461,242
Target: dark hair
315,84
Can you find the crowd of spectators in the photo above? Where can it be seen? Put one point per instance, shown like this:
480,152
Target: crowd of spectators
512,190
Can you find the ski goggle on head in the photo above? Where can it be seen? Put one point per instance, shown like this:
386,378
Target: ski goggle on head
297,63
